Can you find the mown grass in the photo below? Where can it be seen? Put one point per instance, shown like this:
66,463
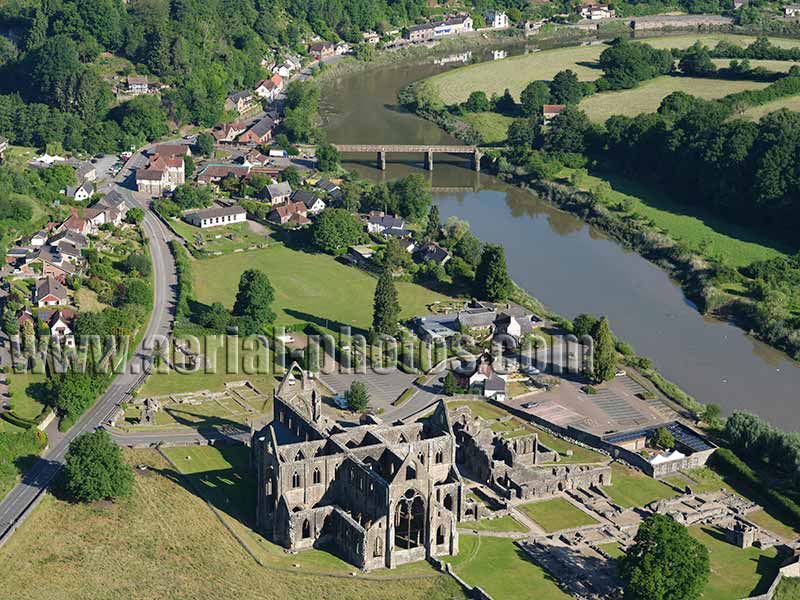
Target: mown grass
556,514
788,589
754,113
735,572
648,95
502,569
704,233
164,542
492,126
516,72
27,394
631,488
504,523
308,287
223,239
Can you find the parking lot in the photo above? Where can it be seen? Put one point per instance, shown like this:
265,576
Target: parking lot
383,389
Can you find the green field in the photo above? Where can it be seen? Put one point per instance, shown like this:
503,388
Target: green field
735,572
504,523
165,542
706,234
631,488
309,287
224,364
492,126
648,95
556,514
223,239
516,72
502,569
788,589
756,112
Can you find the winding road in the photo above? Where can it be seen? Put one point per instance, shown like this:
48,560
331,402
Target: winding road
18,503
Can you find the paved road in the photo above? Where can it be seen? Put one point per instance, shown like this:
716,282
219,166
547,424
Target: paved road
13,507
188,437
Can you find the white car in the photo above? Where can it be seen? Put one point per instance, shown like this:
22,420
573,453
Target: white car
620,373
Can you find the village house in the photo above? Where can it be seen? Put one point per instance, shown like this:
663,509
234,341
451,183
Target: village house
289,213
84,170
550,111
216,216
329,187
49,292
370,37
113,200
596,12
791,10
172,150
379,222
454,25
228,132
137,85
433,252
163,174
382,495
342,48
60,323
322,50
53,263
314,204
278,193
38,239
76,222
241,101
259,133
530,27
255,158
214,173
80,193
478,376
267,90
496,19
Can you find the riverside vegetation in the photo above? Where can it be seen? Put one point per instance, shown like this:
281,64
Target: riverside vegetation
739,171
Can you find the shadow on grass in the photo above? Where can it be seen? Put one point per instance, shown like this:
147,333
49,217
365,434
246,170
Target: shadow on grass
325,323
655,196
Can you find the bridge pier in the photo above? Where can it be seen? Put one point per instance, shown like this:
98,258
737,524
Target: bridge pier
429,160
381,160
476,161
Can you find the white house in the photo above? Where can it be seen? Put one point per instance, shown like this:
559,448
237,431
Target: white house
597,12
217,216
791,10
81,192
496,19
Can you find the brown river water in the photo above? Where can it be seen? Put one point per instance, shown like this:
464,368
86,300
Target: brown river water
571,267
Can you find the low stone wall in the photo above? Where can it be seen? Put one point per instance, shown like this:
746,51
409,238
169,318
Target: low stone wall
472,591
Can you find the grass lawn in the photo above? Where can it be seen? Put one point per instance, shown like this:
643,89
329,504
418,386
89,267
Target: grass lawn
516,427
86,300
225,364
788,589
516,72
309,287
502,569
756,112
770,523
613,549
631,488
735,572
504,523
556,514
648,96
704,233
222,239
493,127
28,397
164,542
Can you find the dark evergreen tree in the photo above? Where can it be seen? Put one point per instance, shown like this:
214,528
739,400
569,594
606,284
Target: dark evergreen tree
433,226
605,355
491,277
386,307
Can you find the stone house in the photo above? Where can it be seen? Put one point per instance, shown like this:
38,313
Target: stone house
259,133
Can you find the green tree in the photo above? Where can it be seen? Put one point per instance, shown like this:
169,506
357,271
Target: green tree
569,131
663,438
254,300
135,215
697,61
357,397
386,306
712,414
328,158
73,393
335,230
491,276
434,224
523,133
215,318
477,102
535,95
205,144
664,563
565,88
95,468
605,355
413,196
450,385
583,325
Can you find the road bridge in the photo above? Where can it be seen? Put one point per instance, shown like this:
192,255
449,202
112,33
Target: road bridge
427,150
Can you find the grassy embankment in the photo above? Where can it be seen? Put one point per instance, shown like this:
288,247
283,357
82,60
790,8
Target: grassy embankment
175,546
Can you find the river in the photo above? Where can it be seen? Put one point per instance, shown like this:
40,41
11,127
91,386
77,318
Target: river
556,257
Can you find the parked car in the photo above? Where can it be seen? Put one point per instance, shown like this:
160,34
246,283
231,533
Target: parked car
620,373
531,371
530,405
341,401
